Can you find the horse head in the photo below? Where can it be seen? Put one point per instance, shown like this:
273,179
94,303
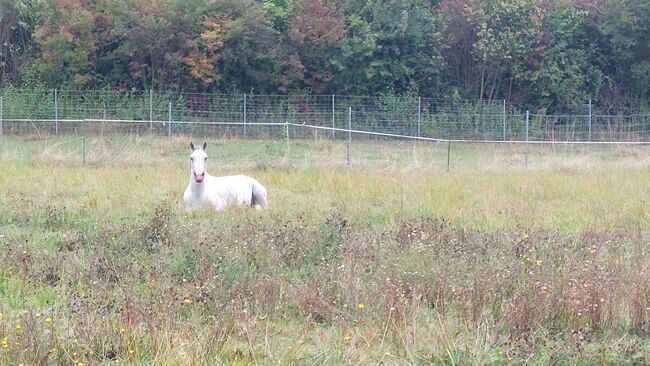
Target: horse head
198,162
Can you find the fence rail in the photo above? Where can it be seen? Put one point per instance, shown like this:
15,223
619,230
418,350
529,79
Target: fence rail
100,115
397,115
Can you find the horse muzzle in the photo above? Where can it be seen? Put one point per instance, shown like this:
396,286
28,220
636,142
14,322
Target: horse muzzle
199,177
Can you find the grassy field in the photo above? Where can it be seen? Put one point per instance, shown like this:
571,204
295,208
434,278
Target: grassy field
391,260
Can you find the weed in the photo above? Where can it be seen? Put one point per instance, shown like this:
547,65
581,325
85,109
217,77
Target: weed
489,267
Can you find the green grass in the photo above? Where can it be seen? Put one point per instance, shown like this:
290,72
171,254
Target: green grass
391,260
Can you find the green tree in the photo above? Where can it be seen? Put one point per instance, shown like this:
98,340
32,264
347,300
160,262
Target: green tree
392,44
67,38
567,68
625,25
277,11
354,52
16,44
458,38
506,34
252,56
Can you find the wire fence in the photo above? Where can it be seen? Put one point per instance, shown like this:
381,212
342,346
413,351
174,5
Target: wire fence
66,115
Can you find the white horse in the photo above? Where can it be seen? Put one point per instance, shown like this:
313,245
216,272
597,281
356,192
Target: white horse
206,190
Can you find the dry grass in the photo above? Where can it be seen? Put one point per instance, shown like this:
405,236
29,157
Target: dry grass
102,265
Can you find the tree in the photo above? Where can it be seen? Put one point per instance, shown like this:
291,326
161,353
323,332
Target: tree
506,34
16,44
251,58
67,38
277,11
624,24
567,69
390,46
155,39
354,52
205,50
458,38
314,29
549,53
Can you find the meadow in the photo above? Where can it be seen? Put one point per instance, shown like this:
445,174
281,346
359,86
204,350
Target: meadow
391,260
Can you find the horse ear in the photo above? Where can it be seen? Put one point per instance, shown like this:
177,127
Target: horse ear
191,145
205,145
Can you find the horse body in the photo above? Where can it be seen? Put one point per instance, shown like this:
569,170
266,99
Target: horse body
219,192
205,190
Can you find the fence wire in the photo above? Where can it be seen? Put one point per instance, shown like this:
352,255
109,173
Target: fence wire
245,115
115,118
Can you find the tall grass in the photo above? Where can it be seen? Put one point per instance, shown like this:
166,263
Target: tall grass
102,265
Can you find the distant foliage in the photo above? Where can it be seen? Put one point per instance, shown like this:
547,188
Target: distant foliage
550,54
314,29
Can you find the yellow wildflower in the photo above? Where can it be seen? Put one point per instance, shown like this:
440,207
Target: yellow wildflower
361,306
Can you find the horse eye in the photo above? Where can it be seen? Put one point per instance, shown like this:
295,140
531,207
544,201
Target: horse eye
206,159
192,159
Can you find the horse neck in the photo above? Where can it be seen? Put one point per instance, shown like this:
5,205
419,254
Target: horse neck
197,188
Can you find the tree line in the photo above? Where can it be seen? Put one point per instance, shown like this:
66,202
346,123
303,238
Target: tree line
546,53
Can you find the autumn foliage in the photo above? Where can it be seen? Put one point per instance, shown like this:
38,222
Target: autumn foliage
548,53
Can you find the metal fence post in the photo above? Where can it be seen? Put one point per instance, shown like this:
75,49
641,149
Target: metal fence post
150,108
333,118
286,126
349,134
526,143
245,115
419,114
448,154
83,142
504,120
1,133
56,112
589,134
169,116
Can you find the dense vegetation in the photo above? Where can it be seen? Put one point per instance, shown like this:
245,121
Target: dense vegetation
546,53
101,265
